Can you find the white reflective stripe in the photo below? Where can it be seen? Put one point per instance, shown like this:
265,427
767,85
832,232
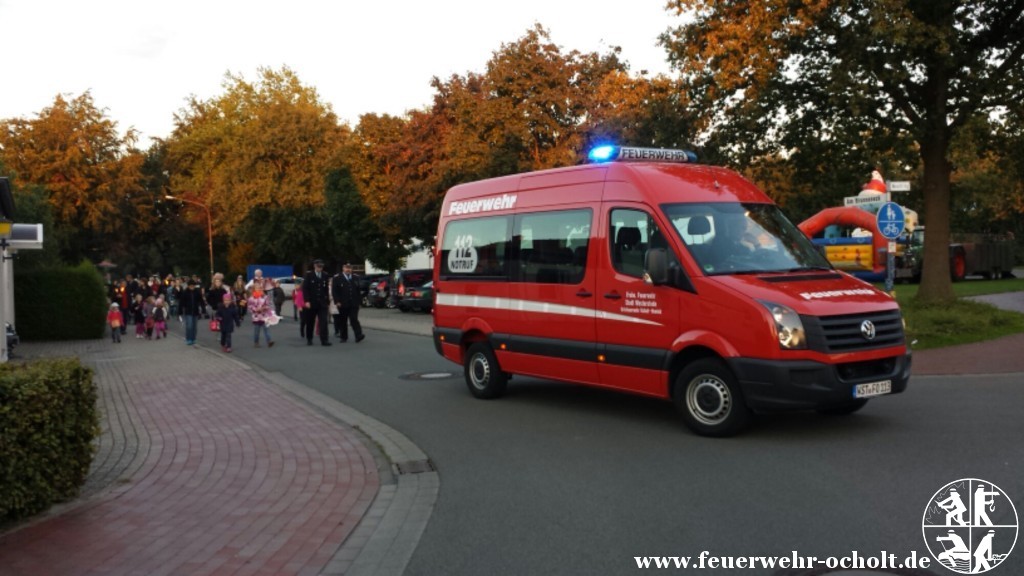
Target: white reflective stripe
445,299
623,318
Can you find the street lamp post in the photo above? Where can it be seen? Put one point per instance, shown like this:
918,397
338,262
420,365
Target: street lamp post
209,224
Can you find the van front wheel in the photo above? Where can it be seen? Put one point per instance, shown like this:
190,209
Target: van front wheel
483,375
708,396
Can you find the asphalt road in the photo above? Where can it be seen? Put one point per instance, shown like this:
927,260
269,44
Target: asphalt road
562,479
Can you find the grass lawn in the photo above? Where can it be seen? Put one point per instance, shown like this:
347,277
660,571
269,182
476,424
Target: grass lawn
962,322
905,292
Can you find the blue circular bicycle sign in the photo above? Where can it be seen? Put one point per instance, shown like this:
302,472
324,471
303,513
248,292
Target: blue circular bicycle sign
891,220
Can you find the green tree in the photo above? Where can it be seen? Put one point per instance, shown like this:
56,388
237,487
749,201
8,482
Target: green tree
850,70
988,183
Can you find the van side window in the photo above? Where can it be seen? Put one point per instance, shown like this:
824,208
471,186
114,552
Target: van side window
552,246
631,233
476,248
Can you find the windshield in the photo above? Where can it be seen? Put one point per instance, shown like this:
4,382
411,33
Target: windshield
735,238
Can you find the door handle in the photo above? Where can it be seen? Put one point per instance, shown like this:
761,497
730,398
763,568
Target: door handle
584,294
612,296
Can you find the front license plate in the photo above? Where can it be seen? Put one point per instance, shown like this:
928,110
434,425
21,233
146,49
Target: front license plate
872,389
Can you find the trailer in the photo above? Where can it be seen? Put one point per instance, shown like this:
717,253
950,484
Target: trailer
987,255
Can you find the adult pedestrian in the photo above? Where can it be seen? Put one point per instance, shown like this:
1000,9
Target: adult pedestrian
155,287
199,286
316,292
259,282
132,288
124,299
215,294
191,304
173,297
345,290
238,290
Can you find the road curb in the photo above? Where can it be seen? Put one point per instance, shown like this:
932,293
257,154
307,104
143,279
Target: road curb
386,537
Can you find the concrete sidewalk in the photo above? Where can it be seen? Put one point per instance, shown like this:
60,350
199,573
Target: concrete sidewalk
208,466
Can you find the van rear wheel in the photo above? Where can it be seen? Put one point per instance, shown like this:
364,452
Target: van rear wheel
483,375
708,396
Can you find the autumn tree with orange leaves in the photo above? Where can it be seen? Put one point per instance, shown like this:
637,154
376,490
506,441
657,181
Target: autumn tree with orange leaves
260,147
90,174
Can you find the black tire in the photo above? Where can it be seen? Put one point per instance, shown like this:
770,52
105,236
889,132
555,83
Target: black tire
484,377
709,398
403,308
843,409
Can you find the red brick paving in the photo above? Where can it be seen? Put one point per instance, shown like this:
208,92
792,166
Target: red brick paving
1001,356
238,479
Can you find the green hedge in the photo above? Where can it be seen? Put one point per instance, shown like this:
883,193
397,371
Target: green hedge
60,303
48,421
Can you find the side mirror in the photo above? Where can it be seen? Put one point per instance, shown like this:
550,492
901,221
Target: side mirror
656,267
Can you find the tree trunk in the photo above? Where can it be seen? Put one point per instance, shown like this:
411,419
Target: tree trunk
936,285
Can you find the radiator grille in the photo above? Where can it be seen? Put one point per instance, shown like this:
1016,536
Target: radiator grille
846,333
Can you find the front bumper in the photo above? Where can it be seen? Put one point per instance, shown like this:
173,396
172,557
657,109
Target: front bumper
782,385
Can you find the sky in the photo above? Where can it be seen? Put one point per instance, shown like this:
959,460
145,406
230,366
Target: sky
142,59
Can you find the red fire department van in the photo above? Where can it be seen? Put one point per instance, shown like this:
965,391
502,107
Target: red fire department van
648,273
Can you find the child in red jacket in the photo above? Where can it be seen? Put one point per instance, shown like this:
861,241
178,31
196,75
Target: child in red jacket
115,320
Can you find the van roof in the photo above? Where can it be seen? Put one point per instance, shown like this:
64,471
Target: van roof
654,182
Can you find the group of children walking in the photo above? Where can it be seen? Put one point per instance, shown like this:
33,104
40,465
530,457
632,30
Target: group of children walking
261,311
150,318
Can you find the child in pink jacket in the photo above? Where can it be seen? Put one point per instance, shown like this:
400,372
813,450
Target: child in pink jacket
262,312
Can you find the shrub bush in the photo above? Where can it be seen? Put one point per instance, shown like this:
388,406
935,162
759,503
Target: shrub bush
60,303
48,421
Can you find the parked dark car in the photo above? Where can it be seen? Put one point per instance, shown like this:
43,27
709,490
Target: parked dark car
406,279
378,295
420,299
366,283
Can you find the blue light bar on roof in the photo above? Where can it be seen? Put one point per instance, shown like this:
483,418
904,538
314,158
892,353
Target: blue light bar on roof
609,153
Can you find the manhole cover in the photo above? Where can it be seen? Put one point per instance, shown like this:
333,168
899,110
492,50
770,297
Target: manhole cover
428,376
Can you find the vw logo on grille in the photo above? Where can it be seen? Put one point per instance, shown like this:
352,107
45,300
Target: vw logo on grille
867,330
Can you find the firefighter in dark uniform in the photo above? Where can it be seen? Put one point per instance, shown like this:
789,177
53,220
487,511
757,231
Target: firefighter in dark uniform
316,290
348,298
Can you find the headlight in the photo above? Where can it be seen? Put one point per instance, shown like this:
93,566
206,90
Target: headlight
788,326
